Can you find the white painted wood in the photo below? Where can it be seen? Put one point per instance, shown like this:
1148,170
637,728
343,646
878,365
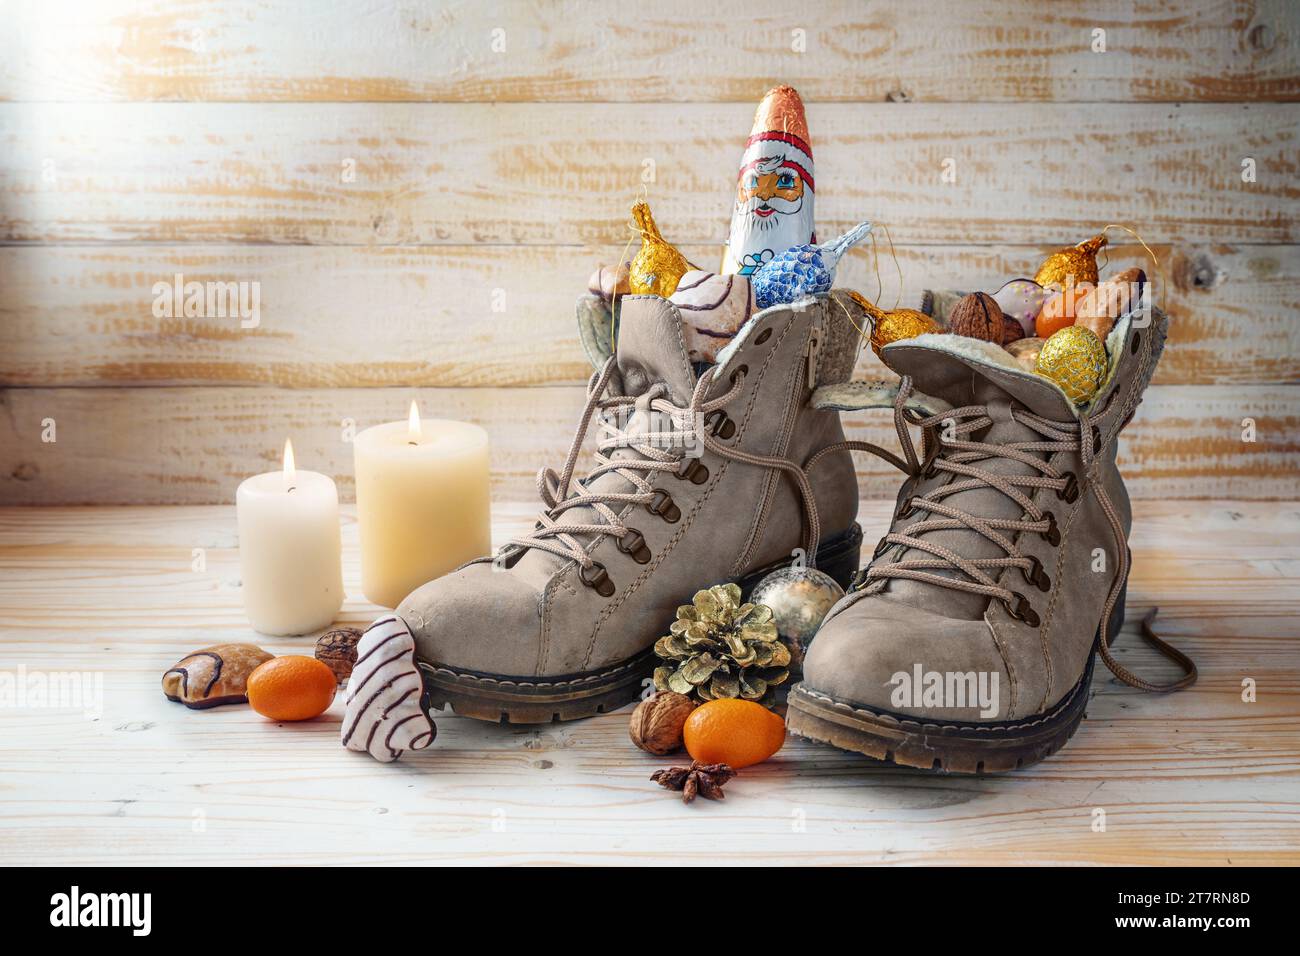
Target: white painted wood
194,445
564,173
465,316
1195,777
678,51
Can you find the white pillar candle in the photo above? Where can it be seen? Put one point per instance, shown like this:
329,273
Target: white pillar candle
422,503
290,555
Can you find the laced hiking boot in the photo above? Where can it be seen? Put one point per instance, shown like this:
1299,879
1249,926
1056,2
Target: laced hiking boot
967,644
699,479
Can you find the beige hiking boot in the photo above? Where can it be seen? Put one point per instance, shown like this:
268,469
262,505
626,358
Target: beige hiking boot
967,644
702,475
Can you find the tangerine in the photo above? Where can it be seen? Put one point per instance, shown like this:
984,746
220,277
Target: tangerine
1058,311
735,732
291,688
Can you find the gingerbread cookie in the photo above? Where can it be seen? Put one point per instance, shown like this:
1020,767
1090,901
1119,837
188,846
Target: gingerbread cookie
213,676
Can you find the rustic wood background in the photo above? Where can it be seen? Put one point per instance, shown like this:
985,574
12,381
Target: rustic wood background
214,139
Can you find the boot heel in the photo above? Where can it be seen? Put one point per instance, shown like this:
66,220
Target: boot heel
842,556
839,557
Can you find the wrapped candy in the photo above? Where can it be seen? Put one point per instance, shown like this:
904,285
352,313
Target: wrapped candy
1078,263
774,188
658,267
894,325
713,309
803,270
1075,359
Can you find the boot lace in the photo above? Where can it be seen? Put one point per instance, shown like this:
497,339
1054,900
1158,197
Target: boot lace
659,451
963,457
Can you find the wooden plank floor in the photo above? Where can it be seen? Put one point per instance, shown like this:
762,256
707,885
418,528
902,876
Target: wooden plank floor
1195,777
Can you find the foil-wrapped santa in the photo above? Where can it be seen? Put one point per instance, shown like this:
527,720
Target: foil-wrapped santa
774,189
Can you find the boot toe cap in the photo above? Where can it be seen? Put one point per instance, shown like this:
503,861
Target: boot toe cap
880,655
476,619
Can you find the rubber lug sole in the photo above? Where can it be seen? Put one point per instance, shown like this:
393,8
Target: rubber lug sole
923,744
516,700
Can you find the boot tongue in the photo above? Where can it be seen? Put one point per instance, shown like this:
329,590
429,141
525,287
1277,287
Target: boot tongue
651,349
946,365
964,379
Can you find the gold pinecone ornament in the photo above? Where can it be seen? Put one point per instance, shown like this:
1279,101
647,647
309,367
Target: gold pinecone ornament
720,648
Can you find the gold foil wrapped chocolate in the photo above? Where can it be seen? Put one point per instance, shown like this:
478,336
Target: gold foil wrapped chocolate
894,325
658,267
1075,359
1077,263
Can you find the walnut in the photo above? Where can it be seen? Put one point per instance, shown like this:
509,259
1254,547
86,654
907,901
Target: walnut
338,650
657,722
978,316
1012,331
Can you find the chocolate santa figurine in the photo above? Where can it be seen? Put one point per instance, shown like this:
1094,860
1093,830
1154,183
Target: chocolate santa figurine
774,191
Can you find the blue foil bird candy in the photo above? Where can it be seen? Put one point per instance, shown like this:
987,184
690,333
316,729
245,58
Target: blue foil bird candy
803,270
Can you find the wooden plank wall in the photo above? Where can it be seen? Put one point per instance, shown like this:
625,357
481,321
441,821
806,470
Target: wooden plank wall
421,189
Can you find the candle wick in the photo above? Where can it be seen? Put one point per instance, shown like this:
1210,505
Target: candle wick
293,488
413,443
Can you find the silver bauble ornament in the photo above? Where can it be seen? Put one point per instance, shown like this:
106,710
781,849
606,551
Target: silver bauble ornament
800,599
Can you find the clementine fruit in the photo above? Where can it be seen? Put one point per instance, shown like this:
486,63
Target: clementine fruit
734,732
1058,310
291,688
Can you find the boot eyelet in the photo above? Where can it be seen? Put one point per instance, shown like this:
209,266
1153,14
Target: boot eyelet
763,336
1137,339
1053,533
596,578
1037,576
739,373
633,544
720,426
907,510
692,470
881,547
663,506
1096,437
1020,609
1070,493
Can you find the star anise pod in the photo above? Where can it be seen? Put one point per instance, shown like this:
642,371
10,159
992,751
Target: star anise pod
704,779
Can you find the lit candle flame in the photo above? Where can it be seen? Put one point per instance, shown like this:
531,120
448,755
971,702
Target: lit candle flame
290,472
413,424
